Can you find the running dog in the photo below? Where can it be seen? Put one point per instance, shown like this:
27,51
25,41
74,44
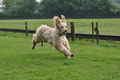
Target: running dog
55,36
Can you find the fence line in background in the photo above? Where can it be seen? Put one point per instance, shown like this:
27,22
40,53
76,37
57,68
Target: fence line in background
26,28
72,31
73,35
95,29
77,35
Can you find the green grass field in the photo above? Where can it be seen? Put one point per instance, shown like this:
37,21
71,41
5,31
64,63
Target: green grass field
91,62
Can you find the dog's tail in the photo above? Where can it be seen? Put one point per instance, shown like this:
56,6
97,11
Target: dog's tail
34,37
33,41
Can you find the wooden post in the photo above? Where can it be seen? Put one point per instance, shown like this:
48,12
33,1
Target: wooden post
72,31
97,32
26,28
93,32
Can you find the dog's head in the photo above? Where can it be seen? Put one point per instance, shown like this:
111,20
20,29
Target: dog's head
60,24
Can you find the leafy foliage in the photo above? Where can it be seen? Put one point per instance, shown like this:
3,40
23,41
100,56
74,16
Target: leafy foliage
19,8
70,8
78,8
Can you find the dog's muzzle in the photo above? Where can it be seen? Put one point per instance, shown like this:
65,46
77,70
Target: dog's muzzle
64,33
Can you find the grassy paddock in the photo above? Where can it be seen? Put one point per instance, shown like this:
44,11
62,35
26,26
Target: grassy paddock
91,62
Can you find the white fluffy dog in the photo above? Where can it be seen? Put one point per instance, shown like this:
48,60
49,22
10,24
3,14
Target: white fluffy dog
55,36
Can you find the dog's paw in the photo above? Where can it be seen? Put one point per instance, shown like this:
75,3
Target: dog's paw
68,56
72,55
33,47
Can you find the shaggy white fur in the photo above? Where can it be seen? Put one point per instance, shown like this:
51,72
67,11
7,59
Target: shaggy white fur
55,36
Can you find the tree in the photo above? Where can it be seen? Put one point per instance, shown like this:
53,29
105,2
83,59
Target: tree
77,8
19,8
69,8
53,7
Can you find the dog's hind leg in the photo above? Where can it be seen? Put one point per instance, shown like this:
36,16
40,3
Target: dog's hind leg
41,43
34,44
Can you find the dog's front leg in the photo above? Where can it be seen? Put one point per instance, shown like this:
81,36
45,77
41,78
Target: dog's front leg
61,48
66,44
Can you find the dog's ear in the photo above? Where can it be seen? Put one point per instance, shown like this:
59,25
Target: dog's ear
57,21
63,19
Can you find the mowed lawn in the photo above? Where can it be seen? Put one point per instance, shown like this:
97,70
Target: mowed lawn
91,62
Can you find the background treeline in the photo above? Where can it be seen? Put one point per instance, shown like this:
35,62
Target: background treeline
70,8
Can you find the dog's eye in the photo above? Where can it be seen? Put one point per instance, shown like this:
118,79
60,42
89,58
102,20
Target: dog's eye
61,26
